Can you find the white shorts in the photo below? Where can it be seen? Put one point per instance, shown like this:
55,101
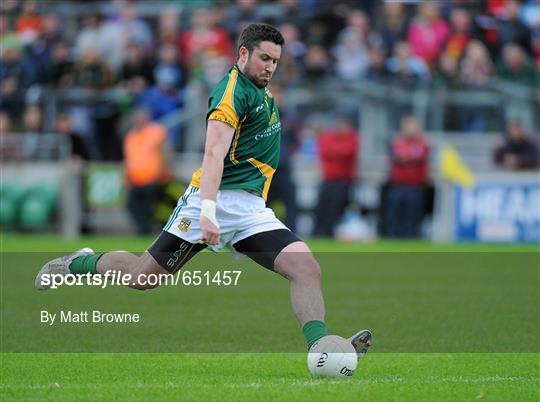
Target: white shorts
239,214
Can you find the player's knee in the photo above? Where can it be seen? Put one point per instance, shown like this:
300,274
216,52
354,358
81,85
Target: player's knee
304,267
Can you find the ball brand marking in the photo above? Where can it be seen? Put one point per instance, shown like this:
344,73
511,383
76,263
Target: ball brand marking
322,359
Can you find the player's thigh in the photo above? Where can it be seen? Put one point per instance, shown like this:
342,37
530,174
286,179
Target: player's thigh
265,247
171,252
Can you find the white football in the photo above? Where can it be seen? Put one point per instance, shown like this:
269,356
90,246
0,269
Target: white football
332,356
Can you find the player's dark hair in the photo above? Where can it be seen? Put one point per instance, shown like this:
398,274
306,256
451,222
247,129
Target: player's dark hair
254,34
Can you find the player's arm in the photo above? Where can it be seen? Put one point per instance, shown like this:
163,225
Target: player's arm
218,140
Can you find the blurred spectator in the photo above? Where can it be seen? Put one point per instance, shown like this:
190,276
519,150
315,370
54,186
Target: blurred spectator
530,14
460,33
515,66
377,70
317,63
92,36
409,154
338,150
283,188
32,121
517,150
406,68
79,150
146,169
394,25
476,67
164,97
5,123
239,13
447,73
51,31
428,33
351,55
4,26
60,71
28,25
292,54
138,69
125,27
17,74
475,72
206,49
169,63
511,29
169,25
91,72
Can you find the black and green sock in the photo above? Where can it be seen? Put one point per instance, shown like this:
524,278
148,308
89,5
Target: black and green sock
313,331
85,264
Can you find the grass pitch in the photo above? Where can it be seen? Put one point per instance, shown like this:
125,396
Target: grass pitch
386,374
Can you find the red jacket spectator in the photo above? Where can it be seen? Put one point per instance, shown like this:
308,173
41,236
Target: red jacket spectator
339,151
409,154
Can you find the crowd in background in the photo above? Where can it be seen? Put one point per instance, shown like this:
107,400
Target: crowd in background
153,57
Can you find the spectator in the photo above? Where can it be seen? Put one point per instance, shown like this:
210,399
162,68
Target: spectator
169,25
515,66
5,123
239,13
164,97
146,168
394,25
428,33
169,60
475,73
283,188
92,36
4,26
123,28
351,55
476,67
32,122
377,70
60,71
293,51
29,24
447,73
137,72
338,150
460,33
511,29
79,150
91,72
517,150
409,154
317,63
16,75
51,31
206,49
406,68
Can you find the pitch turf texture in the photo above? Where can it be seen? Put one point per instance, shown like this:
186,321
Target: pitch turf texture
423,350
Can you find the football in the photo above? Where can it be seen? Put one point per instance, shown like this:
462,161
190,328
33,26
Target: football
332,356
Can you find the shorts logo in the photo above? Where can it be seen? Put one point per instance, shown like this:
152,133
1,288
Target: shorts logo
184,224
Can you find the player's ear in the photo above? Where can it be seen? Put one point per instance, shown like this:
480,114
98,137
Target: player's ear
243,54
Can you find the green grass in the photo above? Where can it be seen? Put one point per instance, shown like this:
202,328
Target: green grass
421,306
262,377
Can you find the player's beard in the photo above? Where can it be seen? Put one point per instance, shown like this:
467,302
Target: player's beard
260,82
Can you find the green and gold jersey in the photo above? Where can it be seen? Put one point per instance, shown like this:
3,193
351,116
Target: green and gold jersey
253,155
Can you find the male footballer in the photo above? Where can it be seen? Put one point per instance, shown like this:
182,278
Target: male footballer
225,202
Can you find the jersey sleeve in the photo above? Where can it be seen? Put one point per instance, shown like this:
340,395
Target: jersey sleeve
227,102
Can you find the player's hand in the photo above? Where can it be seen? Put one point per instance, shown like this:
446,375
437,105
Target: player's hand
209,231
